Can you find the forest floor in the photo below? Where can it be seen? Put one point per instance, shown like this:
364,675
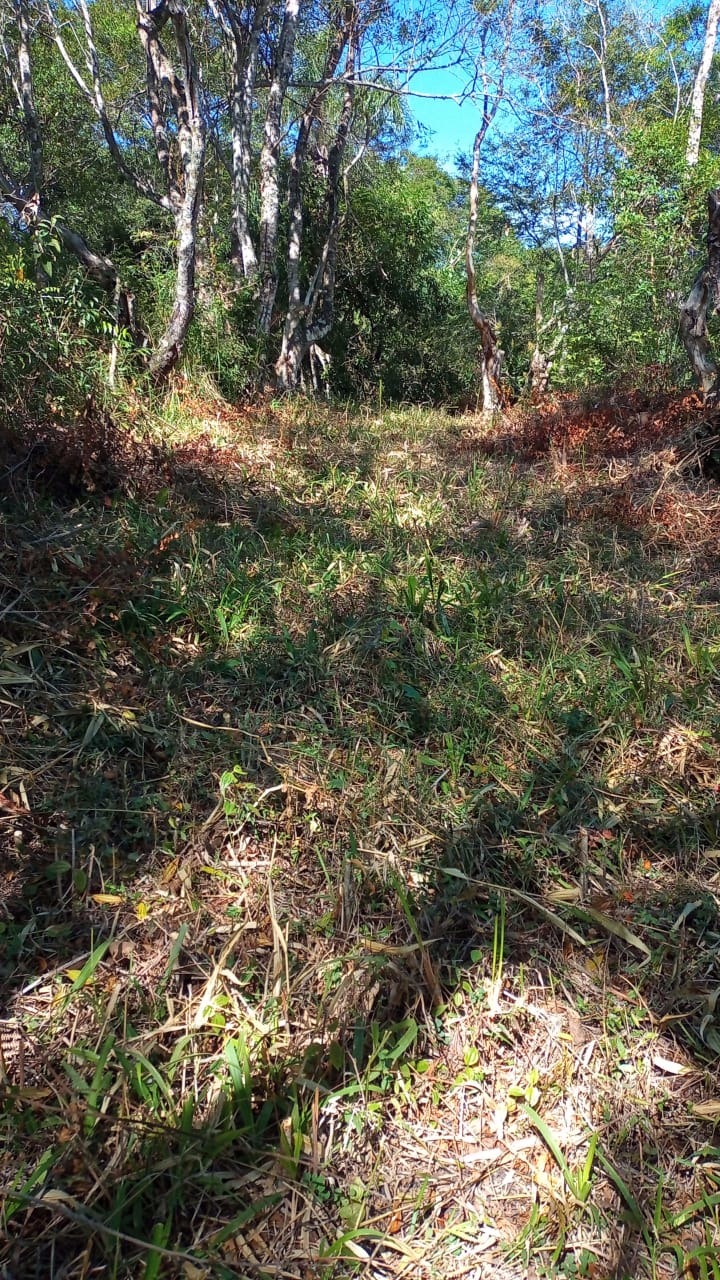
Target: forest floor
360,847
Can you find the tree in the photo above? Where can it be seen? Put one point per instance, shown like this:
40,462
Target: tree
309,313
312,83
244,29
704,295
596,189
494,25
296,113
173,107
27,194
697,104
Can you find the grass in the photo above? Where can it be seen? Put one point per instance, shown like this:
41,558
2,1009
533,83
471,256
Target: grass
359,820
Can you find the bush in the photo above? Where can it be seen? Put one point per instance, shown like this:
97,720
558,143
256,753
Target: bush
52,326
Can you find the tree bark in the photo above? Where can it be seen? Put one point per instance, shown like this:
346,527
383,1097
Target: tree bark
269,162
27,98
546,349
697,104
246,47
308,320
179,147
490,354
704,298
185,192
170,345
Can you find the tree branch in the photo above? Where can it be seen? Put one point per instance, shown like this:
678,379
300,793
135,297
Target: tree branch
95,96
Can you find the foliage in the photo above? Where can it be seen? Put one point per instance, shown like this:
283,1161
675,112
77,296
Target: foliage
401,322
53,328
603,213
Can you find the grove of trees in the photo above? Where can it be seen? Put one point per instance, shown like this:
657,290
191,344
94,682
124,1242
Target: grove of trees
239,187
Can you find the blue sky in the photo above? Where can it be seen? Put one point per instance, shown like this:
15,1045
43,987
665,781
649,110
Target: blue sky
454,125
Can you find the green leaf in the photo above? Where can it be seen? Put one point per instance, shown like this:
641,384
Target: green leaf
175,950
627,1195
246,1215
87,970
553,1146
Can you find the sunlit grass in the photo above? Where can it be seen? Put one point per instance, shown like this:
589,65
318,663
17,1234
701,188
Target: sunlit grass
390,773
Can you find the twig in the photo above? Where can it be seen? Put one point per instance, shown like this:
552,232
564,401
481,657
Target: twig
10,471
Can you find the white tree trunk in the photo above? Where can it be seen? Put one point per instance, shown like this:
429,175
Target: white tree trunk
169,346
269,162
698,96
490,354
245,61
27,97
186,191
179,146
704,297
308,320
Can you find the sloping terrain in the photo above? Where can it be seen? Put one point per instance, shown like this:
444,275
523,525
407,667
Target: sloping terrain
360,851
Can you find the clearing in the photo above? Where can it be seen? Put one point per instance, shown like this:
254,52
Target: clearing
360,854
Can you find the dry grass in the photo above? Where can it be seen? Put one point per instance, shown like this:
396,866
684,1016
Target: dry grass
359,811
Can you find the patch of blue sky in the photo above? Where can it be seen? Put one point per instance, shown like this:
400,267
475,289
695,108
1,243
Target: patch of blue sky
447,125
448,121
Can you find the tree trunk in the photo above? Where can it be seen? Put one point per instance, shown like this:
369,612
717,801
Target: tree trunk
309,319
170,345
294,349
490,354
246,46
27,95
269,161
539,375
186,193
546,349
704,297
697,105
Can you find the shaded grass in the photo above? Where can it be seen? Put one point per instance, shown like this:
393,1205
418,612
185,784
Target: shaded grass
388,775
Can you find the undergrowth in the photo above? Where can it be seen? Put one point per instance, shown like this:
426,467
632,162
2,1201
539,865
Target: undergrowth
359,808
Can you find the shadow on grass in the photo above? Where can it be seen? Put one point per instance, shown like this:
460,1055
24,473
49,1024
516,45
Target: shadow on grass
258,773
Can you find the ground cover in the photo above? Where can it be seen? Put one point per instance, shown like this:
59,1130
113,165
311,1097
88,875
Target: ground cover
359,865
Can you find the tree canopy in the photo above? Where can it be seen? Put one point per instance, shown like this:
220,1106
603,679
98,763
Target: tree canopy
240,186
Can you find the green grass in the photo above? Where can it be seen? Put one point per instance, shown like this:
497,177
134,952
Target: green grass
360,821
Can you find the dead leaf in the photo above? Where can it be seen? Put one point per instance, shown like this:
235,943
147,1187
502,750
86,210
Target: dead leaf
672,1068
708,1110
617,929
170,871
686,911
